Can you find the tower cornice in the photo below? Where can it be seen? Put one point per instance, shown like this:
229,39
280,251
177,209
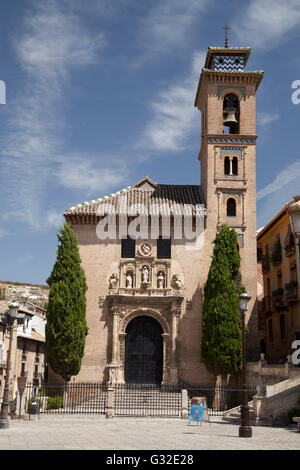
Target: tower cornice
228,78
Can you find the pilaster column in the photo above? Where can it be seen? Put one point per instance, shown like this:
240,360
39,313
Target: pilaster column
115,312
173,338
219,216
174,335
243,209
230,166
166,378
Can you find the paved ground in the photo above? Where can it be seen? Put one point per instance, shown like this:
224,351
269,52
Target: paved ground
98,433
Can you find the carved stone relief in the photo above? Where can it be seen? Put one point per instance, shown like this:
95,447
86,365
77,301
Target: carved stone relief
145,249
113,281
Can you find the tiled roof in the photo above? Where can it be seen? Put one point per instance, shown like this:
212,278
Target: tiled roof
228,51
144,197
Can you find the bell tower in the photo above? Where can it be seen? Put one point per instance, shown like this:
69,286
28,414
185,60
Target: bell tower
226,97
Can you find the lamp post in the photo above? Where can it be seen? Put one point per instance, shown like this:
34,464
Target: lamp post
12,318
245,429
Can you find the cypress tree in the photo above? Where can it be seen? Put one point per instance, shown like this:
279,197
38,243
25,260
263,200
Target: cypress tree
66,326
221,346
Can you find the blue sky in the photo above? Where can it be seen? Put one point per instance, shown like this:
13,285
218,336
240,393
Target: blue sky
100,93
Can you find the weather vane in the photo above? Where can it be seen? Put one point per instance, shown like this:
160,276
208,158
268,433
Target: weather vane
226,27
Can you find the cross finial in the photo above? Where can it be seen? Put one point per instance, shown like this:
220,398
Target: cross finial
226,27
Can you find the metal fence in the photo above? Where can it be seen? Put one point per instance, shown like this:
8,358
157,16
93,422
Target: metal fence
128,399
147,400
72,398
219,398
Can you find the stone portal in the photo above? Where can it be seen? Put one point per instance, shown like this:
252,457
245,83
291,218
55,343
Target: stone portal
144,351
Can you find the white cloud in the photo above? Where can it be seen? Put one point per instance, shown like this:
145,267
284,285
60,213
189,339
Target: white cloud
276,194
286,181
168,25
263,119
54,218
51,44
79,172
265,23
174,116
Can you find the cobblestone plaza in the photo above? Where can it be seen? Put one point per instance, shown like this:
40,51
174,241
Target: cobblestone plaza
99,433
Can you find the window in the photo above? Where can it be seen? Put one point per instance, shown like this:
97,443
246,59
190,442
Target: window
227,166
230,166
128,248
164,248
234,166
231,207
279,280
270,324
282,326
268,287
293,272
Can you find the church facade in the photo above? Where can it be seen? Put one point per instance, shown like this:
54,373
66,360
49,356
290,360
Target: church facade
146,250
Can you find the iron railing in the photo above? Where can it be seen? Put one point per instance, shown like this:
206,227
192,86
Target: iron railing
218,398
147,400
129,399
72,398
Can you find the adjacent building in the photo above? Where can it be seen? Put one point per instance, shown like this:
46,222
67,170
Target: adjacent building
29,352
280,308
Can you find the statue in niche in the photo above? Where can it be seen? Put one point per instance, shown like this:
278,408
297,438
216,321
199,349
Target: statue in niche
176,282
129,280
113,281
145,274
160,280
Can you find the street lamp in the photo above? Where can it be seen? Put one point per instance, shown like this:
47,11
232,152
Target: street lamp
245,429
11,318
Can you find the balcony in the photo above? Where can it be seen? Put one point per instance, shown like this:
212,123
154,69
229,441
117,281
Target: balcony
278,299
291,291
290,249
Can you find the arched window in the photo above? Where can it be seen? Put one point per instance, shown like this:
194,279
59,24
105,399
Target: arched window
230,166
231,114
226,166
231,207
234,166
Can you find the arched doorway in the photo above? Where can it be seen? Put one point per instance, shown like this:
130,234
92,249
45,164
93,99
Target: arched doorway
143,351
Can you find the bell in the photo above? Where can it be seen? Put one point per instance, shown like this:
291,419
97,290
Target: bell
229,118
